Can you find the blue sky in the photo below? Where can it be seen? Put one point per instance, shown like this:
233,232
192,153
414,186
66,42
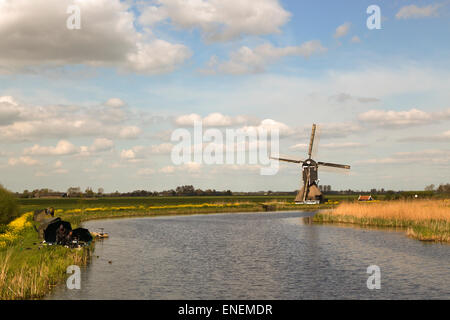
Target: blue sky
95,107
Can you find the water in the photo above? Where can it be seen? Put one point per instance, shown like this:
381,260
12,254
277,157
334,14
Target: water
256,256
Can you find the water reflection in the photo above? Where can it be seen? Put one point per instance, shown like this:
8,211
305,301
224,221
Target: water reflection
256,256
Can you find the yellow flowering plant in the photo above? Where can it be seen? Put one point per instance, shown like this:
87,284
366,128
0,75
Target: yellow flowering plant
14,228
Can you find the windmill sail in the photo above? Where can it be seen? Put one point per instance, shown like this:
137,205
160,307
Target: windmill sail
311,140
334,165
287,160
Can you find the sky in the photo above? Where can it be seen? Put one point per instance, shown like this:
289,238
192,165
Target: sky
95,104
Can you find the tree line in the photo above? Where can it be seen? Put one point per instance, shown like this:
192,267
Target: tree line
190,190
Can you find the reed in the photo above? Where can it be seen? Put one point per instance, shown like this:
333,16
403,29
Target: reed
427,220
33,275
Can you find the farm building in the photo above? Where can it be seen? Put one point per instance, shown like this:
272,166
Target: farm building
365,198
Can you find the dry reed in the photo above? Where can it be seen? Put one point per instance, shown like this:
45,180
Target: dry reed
427,220
413,210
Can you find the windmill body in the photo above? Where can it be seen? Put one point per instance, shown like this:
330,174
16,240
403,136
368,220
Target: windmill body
310,192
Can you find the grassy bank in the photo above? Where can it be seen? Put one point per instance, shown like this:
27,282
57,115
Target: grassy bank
91,213
426,220
147,202
29,270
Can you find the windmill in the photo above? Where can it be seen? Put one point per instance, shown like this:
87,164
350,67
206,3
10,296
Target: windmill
310,193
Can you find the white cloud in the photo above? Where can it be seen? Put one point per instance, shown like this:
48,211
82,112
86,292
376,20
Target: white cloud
101,144
115,103
34,34
270,125
157,57
167,169
163,148
413,11
187,119
345,98
342,30
34,122
135,154
430,156
247,60
24,160
9,111
396,118
442,137
151,15
220,20
190,167
128,154
9,100
129,132
139,153
215,119
63,147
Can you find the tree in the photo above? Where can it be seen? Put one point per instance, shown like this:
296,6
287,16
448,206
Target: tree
26,194
74,192
185,190
430,187
9,210
89,193
444,188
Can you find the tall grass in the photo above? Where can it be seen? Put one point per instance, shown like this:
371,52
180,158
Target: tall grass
35,276
414,210
29,270
423,219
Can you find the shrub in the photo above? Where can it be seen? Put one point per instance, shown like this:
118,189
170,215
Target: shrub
9,210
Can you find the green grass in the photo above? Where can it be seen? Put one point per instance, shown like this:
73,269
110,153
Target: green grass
29,270
69,203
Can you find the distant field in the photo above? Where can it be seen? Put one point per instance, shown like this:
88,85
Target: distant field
80,203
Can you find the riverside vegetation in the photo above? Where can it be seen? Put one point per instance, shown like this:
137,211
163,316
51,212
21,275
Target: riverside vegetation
426,220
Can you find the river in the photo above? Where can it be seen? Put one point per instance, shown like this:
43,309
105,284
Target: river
272,255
